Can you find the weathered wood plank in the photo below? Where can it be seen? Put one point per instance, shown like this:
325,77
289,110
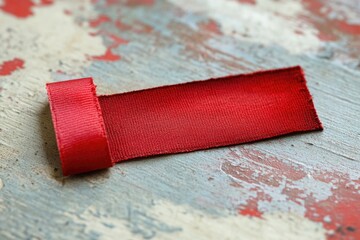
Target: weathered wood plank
297,187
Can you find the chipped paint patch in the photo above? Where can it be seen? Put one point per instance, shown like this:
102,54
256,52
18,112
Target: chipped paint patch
338,25
59,44
332,17
210,26
140,2
328,197
165,220
112,40
272,171
131,3
99,20
109,55
137,27
340,212
1,184
266,22
253,2
251,208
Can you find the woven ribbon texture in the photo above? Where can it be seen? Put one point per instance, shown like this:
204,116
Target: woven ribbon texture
95,132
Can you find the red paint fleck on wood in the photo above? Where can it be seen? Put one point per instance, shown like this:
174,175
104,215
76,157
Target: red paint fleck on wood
326,29
117,41
122,26
329,27
252,2
140,2
353,29
137,27
210,26
99,20
251,208
140,27
9,67
60,72
326,37
111,2
273,172
299,32
108,56
314,5
294,194
67,12
18,8
131,2
342,208
339,213
22,8
47,2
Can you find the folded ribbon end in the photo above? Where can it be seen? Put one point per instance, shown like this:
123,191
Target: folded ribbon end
79,126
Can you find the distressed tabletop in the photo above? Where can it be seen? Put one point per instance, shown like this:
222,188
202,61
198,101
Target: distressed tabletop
303,186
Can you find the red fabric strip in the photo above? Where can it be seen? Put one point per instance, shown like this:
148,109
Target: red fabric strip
192,116
205,114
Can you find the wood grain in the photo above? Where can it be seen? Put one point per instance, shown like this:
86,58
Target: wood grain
297,187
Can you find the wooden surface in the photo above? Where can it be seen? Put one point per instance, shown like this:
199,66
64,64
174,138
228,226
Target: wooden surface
297,187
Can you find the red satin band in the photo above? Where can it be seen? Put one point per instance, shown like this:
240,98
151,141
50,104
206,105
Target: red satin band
79,126
177,118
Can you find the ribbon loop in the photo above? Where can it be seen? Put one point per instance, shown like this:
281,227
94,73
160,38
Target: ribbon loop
79,126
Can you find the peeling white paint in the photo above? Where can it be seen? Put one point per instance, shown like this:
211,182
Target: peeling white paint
199,225
97,222
49,39
272,226
268,22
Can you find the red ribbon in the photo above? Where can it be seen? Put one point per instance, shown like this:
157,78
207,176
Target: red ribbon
95,132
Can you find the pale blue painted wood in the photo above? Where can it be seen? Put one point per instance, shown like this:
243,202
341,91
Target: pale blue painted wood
36,202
